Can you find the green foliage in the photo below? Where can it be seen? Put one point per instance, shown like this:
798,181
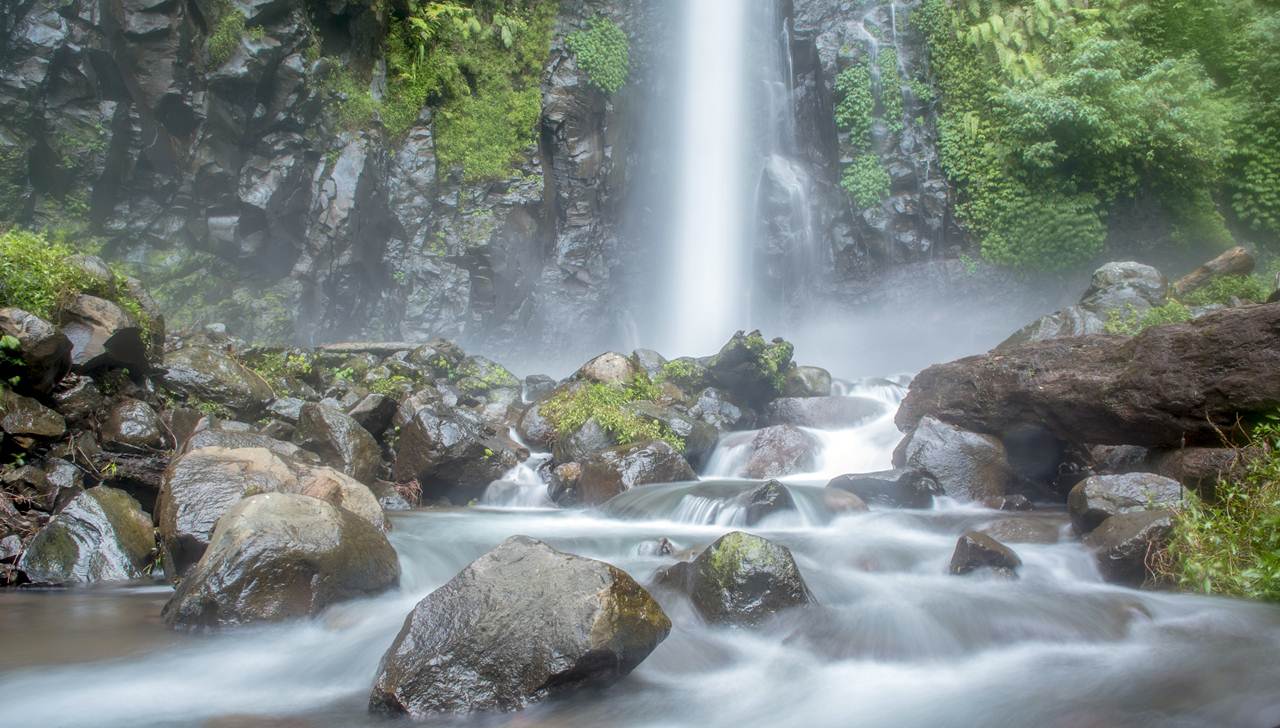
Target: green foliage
276,365
225,37
1132,322
603,51
855,106
679,370
352,102
1231,545
866,181
569,410
773,358
890,89
35,276
1224,289
392,386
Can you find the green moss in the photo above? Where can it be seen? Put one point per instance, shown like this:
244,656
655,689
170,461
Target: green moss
603,51
479,376
225,37
351,100
1132,322
1225,290
569,410
392,386
890,89
736,552
773,358
866,181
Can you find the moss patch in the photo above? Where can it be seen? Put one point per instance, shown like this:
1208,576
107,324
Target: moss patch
569,410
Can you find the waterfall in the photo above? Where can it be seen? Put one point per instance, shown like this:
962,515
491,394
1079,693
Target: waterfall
709,265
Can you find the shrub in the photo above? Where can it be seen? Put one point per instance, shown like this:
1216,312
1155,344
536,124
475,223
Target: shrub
855,105
226,35
602,50
569,410
866,181
1132,322
1221,290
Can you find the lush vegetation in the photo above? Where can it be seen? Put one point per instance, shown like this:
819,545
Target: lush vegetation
1223,291
865,178
570,409
1230,544
1056,111
603,51
866,181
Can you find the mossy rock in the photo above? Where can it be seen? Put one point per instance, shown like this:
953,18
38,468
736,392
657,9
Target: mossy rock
101,535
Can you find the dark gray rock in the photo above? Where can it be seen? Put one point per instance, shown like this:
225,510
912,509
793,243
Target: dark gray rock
538,387
101,535
234,440
536,430
770,498
820,412
288,409
699,437
807,382
280,556
103,335
898,488
617,469
1125,544
340,441
207,375
750,368
44,351
1096,499
781,450
450,453
976,551
714,407
374,413
1124,289
79,400
740,580
968,466
583,443
27,421
132,425
519,625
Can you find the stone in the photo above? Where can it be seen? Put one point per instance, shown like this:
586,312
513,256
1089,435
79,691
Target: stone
898,488
26,420
44,352
339,489
288,409
101,535
824,413
536,430
766,500
132,425
1124,544
340,441
740,580
280,556
1024,530
1014,502
450,453
608,368
750,368
621,468
521,624
235,440
714,407
538,387
781,450
968,466
807,382
103,334
699,437
374,413
1200,468
208,375
79,400
975,551
583,443
1097,498
1116,289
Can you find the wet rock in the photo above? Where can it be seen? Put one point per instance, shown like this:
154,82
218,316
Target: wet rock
339,489
101,535
898,488
1095,499
288,409
750,368
339,441
479,377
207,375
79,400
714,407
976,551
740,580
583,443
132,425
1169,384
1116,288
103,335
764,501
1118,459
280,556
450,453
537,430
967,466
649,361
27,421
234,440
390,497
1200,468
656,547
1015,502
45,353
1124,544
608,368
824,413
699,438
47,486
1025,530
564,483
621,468
489,641
781,450
807,382
538,387
374,413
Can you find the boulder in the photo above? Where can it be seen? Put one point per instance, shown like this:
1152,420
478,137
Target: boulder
699,437
235,440
617,469
1200,468
479,377
1234,262
1116,288
279,556
583,443
450,453
286,409
1118,459
1168,384
103,335
79,400
208,375
966,465
1024,530
1015,502
132,425
608,368
807,382
975,551
339,440
536,430
101,535
898,488
740,580
339,489
519,625
374,413
44,351
764,501
781,450
649,361
750,368
48,486
714,407
1097,498
537,387
1123,544
824,413
27,421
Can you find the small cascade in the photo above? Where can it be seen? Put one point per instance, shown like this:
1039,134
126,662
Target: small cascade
521,486
718,503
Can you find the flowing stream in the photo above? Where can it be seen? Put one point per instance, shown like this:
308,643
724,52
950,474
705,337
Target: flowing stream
895,640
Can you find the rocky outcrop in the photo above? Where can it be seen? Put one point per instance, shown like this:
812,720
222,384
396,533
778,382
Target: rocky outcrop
1096,499
740,580
617,469
1117,289
102,535
202,374
966,465
488,641
281,556
1168,386
450,453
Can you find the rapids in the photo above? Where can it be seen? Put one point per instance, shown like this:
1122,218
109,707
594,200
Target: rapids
896,641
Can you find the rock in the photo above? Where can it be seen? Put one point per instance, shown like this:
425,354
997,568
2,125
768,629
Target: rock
374,413
538,387
279,556
714,407
764,501
1166,385
621,468
1234,262
519,625
101,535
699,437
608,368
740,580
583,443
898,488
807,382
79,400
1123,544
207,375
1015,502
824,413
288,409
1118,459
781,450
750,368
1116,288
1024,530
450,453
44,351
339,489
967,465
132,425
233,440
103,335
537,430
650,361
655,547
976,551
48,486
1095,499
1200,468
26,420
339,441
478,376
390,497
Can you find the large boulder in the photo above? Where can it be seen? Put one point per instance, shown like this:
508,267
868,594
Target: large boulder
339,440
583,443
977,551
103,334
714,407
235,440
26,420
1200,468
44,351
339,489
1169,384
740,580
1097,498
824,413
608,368
897,488
1123,544
132,425
750,368
450,453
967,465
101,535
203,374
807,382
1116,289
536,430
766,500
279,556
617,469
781,450
521,624
699,437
